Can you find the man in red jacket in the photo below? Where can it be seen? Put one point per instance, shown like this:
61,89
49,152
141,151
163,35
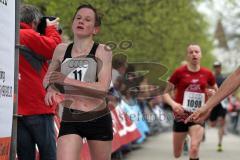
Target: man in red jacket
36,126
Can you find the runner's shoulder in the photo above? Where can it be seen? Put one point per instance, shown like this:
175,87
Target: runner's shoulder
181,69
60,50
62,46
104,52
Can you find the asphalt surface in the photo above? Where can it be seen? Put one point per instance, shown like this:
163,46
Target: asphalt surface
159,147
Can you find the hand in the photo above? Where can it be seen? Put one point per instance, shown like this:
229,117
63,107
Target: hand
178,109
56,77
210,92
54,22
199,116
53,97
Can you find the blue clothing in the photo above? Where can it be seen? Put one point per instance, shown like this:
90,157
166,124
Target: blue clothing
32,130
219,79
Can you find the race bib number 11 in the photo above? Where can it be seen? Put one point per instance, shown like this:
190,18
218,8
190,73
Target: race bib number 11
193,100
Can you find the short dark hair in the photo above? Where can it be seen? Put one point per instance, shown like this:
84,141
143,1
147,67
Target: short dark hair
89,6
29,14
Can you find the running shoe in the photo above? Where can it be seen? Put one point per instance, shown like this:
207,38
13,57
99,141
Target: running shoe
219,148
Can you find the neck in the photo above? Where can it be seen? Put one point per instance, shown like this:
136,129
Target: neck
193,68
82,45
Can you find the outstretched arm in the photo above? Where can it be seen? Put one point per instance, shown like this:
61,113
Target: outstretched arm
228,86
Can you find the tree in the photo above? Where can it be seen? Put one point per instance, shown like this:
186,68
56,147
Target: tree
159,30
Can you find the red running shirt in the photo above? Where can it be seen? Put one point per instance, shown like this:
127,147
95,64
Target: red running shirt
191,85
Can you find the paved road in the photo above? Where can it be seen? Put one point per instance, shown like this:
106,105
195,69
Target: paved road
160,148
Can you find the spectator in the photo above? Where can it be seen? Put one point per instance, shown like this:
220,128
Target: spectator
36,126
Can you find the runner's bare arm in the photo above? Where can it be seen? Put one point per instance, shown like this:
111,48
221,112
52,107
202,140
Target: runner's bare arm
212,90
52,95
55,62
175,106
227,87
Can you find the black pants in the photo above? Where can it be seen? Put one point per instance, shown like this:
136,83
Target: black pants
32,130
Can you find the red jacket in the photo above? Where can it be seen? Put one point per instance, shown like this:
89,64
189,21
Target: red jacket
32,70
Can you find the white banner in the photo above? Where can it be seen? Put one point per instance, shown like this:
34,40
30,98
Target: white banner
7,55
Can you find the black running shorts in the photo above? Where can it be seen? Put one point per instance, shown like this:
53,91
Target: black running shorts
179,126
99,128
217,111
